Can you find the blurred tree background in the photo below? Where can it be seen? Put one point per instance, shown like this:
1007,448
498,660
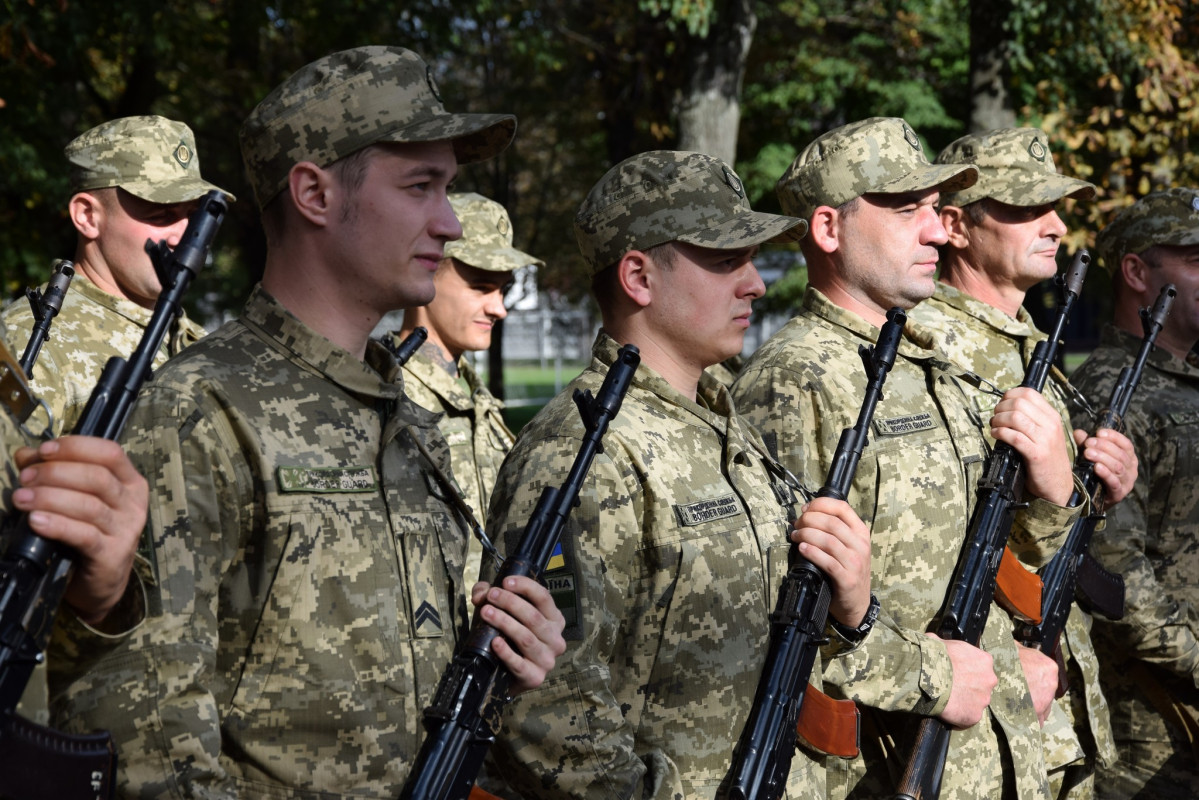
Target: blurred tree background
1113,82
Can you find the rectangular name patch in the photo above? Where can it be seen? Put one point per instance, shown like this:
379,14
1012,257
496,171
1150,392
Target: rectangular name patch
707,510
327,480
901,425
562,589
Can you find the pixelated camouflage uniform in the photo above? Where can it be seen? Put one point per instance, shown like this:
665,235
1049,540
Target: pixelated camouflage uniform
998,347
669,570
1152,539
307,576
92,327
914,486
472,424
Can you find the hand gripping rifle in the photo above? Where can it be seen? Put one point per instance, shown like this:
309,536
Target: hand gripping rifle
972,587
34,571
45,306
459,735
1070,569
762,757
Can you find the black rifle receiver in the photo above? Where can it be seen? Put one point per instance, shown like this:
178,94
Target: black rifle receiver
972,587
34,571
459,735
762,756
407,348
1060,575
45,306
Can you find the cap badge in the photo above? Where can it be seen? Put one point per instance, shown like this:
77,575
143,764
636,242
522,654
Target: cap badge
183,154
502,226
733,181
1037,150
910,137
432,83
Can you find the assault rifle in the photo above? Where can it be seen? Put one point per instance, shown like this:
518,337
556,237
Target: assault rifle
972,587
34,571
45,306
762,757
459,734
1065,572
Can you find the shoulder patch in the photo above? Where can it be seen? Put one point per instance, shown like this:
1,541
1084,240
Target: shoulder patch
701,511
897,426
559,578
327,480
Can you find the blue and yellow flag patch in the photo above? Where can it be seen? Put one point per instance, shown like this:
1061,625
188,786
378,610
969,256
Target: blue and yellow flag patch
557,559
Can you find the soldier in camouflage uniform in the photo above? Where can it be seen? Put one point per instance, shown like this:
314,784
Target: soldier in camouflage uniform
869,194
1003,234
669,567
471,281
132,179
307,570
1150,659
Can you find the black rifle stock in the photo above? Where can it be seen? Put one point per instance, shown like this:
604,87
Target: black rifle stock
972,586
45,306
458,733
762,757
34,571
1060,575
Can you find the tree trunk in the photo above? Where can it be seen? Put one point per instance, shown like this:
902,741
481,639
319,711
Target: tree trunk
990,100
710,108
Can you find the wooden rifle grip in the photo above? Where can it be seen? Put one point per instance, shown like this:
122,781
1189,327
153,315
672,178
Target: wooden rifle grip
1017,589
828,725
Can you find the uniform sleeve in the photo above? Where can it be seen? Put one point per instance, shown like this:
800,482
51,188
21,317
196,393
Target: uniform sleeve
573,737
156,689
1157,627
49,375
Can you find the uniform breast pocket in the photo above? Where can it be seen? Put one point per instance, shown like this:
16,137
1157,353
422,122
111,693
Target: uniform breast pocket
329,622
1182,434
708,611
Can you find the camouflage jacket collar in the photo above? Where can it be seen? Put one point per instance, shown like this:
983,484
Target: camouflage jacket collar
1018,327
448,388
376,377
1160,359
81,287
916,344
712,407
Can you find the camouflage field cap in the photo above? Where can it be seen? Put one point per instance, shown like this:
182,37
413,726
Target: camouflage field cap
879,155
672,196
1014,167
150,157
344,102
1170,217
486,241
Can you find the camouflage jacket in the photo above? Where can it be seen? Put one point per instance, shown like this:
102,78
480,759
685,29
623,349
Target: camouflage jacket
1152,539
471,422
667,574
914,486
306,590
998,347
92,327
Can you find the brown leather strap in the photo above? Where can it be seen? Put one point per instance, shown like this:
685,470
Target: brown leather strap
828,725
1176,715
1017,589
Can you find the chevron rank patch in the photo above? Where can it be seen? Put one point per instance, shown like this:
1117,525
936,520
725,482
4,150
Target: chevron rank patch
426,615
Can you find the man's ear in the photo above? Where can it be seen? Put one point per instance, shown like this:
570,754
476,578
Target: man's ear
824,229
953,218
634,274
1135,272
312,191
87,214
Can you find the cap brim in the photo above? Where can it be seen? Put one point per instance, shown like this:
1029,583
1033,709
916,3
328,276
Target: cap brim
495,259
1050,190
172,192
942,177
476,137
748,229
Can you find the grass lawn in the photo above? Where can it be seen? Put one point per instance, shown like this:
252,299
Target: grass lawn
528,387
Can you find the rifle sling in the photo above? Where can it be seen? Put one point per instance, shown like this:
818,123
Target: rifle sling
828,725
